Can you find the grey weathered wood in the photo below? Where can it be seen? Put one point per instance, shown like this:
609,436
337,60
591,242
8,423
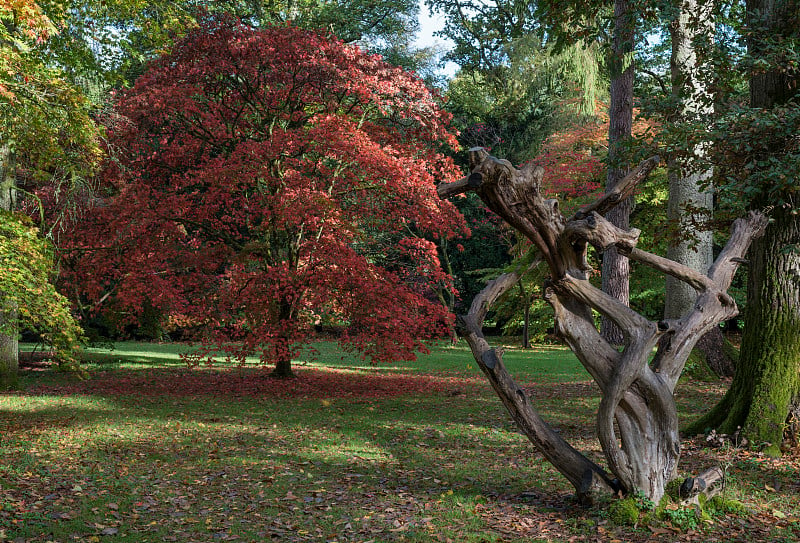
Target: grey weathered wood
709,483
637,421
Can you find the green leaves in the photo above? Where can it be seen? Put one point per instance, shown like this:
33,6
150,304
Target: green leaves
25,268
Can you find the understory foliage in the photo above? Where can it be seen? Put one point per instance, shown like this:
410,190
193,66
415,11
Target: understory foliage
26,262
272,180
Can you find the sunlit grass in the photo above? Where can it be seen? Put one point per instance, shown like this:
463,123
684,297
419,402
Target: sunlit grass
547,363
446,463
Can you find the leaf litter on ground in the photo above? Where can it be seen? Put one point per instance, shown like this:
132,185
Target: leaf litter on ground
335,455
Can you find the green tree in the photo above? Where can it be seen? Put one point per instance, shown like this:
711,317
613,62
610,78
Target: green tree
515,85
760,148
26,260
120,37
48,141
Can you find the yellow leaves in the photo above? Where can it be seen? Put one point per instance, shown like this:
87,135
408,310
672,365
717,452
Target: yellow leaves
25,268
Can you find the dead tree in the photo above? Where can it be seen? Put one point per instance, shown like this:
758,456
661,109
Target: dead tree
643,447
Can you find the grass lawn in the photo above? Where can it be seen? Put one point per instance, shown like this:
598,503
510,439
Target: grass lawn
148,450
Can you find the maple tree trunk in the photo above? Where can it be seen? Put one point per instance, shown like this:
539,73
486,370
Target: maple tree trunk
637,422
283,368
616,269
9,346
283,343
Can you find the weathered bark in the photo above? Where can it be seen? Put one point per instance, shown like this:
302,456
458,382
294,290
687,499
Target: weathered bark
586,476
9,347
616,270
709,483
637,421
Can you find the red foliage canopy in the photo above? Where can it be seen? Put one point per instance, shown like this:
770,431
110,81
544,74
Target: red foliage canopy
271,179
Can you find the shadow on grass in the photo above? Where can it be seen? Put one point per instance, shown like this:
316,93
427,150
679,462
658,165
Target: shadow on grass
378,464
339,454
387,469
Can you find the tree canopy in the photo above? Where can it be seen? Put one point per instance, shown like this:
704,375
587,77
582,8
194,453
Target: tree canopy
272,180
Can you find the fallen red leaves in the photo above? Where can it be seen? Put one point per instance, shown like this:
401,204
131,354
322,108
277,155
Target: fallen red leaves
311,383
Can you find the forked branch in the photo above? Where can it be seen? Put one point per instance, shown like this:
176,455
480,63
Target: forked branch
637,420
586,476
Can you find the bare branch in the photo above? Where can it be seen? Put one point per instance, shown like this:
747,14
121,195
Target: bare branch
692,277
601,233
659,79
713,305
586,476
743,232
448,190
621,190
632,323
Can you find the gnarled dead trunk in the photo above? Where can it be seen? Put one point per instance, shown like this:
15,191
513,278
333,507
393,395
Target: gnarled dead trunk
643,447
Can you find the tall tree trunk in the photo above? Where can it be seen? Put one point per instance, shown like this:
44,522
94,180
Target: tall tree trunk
767,380
691,199
616,269
9,348
688,201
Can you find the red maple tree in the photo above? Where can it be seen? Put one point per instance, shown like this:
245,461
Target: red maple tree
269,180
574,157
